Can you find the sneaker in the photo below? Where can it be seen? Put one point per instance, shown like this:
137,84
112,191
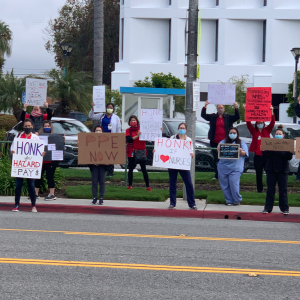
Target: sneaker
236,204
16,208
228,204
101,201
94,201
50,198
33,209
149,189
194,207
171,207
265,211
286,212
129,187
214,178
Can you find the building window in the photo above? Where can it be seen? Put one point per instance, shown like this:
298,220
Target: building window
123,2
122,38
265,2
170,39
217,41
170,2
218,2
264,40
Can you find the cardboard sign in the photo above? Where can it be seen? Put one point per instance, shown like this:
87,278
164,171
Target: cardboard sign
268,144
258,103
101,148
172,154
27,160
221,94
55,142
229,151
150,124
297,153
36,91
99,98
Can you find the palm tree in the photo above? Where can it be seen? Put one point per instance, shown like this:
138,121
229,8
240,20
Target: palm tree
74,91
98,40
5,43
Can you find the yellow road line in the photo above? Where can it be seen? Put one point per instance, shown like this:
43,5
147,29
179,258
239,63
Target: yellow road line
159,236
147,267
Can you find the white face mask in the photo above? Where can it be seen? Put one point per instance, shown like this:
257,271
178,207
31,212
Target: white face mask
109,110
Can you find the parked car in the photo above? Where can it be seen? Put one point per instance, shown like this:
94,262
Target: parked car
67,126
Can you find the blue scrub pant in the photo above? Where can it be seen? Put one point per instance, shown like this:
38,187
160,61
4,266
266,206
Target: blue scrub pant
230,184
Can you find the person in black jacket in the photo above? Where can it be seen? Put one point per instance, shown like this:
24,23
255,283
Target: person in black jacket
220,123
277,169
297,111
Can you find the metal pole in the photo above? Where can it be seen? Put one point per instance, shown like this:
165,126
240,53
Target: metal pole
190,115
296,90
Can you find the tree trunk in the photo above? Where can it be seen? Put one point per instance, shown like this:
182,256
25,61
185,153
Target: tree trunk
64,108
98,40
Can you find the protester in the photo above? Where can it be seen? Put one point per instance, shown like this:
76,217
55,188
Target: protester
136,151
219,126
26,134
48,166
277,169
230,170
260,130
297,111
185,174
36,116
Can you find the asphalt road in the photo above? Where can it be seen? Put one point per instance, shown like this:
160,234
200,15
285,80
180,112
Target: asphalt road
72,256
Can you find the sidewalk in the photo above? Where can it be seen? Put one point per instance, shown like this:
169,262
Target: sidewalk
155,209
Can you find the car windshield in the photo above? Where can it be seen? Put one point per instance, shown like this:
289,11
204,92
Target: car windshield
69,128
201,128
291,131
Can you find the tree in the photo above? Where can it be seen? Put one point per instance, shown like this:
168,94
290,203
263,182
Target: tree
5,43
74,91
290,111
75,25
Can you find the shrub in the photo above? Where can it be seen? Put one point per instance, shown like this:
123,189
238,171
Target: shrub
7,121
89,124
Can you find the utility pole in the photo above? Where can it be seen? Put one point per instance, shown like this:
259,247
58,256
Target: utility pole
190,115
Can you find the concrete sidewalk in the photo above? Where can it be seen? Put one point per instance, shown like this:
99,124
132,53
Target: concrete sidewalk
156,209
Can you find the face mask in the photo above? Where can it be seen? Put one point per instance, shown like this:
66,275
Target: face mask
47,130
133,124
98,131
109,110
27,130
182,131
278,136
233,136
260,126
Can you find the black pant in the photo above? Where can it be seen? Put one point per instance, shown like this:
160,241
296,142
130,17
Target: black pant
50,171
259,165
216,160
282,179
131,166
98,177
19,185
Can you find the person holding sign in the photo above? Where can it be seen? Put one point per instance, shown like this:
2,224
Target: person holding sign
230,170
26,134
219,126
36,116
277,169
136,151
259,131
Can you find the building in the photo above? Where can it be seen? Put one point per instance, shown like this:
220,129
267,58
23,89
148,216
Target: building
239,37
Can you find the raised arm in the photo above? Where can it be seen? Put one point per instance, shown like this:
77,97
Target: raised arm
204,115
270,127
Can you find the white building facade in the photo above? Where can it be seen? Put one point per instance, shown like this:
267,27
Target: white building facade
238,37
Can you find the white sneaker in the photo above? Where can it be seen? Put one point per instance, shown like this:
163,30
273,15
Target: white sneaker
50,198
33,209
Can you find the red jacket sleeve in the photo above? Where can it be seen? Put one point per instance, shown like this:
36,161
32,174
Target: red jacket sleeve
270,127
27,116
250,127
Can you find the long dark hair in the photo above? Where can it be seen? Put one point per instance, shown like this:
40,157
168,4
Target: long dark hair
229,140
134,117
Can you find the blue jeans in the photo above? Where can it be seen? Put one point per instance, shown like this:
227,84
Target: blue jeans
186,177
31,189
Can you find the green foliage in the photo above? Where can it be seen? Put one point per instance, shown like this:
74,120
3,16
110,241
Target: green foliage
59,180
5,43
89,124
2,134
290,97
114,97
7,122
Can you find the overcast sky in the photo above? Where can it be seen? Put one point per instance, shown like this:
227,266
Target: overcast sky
27,19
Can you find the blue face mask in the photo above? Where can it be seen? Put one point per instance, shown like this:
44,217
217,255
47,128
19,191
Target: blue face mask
233,136
182,131
260,126
278,136
47,130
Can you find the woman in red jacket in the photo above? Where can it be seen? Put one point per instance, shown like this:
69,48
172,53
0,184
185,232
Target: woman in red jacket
133,146
258,131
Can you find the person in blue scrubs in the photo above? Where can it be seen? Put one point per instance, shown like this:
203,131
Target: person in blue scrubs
230,170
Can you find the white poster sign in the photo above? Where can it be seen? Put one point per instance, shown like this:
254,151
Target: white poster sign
36,91
27,160
99,98
196,96
172,154
221,94
150,124
58,155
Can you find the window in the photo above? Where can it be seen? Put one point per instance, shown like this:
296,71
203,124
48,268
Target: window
122,38
165,132
218,2
265,2
170,2
170,39
217,41
264,40
69,128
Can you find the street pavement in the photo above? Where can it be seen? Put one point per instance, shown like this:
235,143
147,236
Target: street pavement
80,256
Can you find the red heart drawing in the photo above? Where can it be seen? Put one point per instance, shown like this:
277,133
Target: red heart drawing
164,158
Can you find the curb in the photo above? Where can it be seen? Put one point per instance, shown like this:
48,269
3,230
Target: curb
150,212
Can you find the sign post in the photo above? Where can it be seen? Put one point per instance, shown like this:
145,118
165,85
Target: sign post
196,96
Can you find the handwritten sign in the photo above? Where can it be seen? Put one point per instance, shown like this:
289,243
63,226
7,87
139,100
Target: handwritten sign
27,160
221,94
36,91
57,155
229,151
297,152
101,148
150,124
277,145
55,142
258,103
99,98
172,154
